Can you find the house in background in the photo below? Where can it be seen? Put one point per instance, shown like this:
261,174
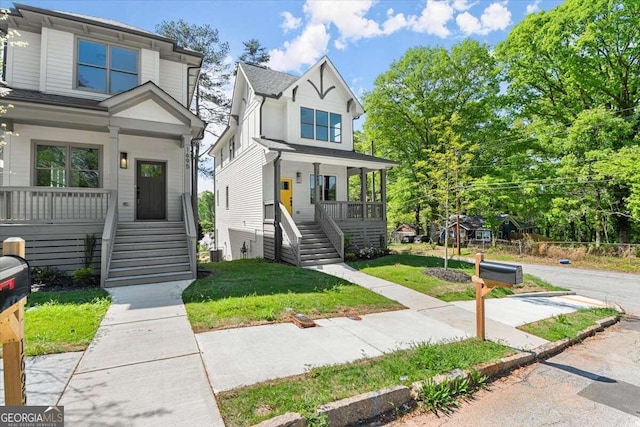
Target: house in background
282,169
100,144
472,230
403,230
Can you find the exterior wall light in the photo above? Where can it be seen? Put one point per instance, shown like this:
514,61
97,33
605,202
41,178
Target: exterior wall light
123,160
299,177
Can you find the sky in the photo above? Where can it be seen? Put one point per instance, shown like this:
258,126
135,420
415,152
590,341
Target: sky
361,37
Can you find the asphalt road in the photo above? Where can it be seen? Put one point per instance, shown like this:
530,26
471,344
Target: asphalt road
608,286
596,383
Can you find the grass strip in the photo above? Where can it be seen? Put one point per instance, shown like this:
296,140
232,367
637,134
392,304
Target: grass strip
303,394
406,270
253,291
567,325
57,322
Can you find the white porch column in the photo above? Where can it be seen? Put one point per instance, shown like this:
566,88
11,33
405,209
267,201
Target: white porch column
316,187
363,191
186,148
114,154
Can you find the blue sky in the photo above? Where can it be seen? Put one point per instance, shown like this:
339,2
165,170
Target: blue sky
362,37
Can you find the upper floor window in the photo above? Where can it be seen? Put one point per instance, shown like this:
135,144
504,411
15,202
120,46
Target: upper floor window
232,148
64,165
320,125
106,68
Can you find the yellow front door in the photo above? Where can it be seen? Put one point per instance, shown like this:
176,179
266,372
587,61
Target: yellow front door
286,194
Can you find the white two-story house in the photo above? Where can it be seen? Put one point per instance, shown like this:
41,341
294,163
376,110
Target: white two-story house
99,142
282,170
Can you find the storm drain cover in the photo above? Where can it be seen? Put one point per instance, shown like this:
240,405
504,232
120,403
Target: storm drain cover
619,395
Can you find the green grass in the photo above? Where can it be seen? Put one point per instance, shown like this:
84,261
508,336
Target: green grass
57,322
567,325
250,292
406,270
305,393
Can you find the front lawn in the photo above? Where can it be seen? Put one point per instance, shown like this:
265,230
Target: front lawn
303,394
567,325
252,291
406,270
57,322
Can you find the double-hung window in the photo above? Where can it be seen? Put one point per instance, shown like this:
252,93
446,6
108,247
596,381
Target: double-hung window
107,68
320,125
65,165
327,188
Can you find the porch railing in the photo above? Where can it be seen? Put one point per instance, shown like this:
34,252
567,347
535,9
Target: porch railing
342,211
191,231
330,228
290,234
51,205
108,236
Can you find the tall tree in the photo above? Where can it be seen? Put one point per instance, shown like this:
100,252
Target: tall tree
581,56
254,53
206,210
429,104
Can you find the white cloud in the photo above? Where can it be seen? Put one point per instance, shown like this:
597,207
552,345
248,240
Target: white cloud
305,49
290,22
533,7
434,19
462,5
393,22
495,17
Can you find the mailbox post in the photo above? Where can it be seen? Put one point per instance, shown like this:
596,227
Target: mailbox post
15,285
489,275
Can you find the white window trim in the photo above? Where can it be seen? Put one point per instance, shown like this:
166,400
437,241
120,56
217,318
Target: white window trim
68,145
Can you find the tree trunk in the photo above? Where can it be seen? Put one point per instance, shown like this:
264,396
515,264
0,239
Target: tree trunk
417,218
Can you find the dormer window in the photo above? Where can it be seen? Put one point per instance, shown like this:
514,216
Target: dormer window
320,125
107,68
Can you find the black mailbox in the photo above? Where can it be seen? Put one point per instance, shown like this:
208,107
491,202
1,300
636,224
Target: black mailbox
499,272
15,280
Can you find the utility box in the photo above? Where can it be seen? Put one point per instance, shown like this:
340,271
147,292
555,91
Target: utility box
215,255
499,272
15,280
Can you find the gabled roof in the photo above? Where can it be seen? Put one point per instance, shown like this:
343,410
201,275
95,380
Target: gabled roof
38,97
265,81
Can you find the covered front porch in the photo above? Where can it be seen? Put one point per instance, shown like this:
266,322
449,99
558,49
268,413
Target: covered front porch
317,199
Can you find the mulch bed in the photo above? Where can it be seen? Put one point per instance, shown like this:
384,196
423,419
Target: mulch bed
454,276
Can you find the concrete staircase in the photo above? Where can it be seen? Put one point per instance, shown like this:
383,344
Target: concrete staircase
316,249
149,252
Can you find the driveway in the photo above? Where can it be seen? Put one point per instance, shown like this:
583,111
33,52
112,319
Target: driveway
607,286
596,383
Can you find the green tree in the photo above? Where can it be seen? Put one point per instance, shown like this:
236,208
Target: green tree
430,104
254,53
580,56
206,210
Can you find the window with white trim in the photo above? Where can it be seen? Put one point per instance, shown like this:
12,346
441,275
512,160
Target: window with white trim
66,165
320,125
327,188
107,68
227,197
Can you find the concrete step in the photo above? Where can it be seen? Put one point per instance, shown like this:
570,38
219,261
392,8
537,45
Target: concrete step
158,260
321,261
142,270
154,252
148,238
147,278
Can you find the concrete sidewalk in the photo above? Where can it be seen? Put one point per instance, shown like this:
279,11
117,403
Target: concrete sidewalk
245,356
143,368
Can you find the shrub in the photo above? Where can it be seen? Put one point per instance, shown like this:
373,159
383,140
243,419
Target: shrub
350,256
83,277
371,252
48,275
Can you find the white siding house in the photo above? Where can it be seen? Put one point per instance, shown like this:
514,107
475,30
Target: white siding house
100,144
283,167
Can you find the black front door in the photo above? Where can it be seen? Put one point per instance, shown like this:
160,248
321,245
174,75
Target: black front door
151,190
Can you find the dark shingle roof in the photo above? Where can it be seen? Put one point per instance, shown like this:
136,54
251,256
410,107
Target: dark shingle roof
286,147
50,99
267,82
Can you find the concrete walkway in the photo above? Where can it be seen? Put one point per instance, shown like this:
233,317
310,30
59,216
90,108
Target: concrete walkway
244,356
143,368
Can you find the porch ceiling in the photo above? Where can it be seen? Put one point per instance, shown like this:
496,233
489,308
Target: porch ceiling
322,155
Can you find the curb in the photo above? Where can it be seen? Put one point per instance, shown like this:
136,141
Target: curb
370,405
542,294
